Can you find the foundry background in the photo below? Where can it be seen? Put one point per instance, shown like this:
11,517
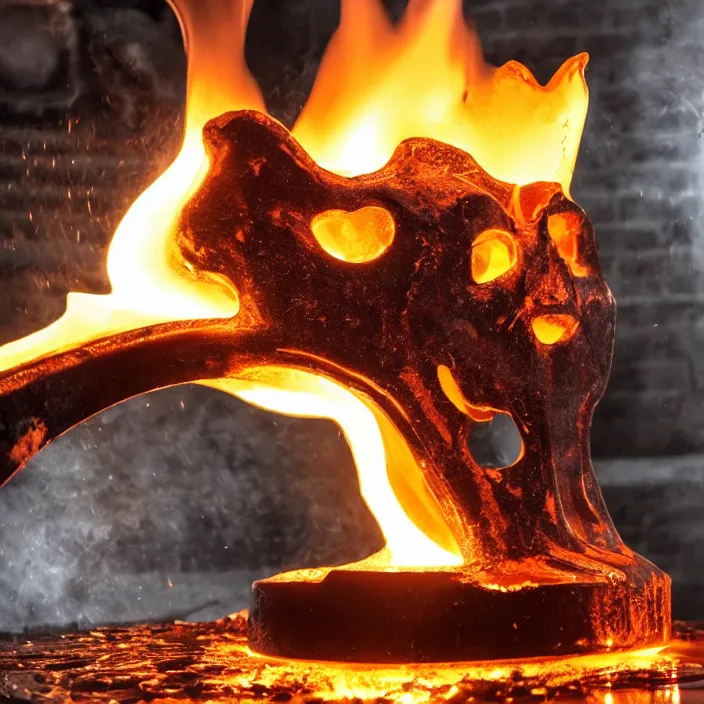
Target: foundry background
169,505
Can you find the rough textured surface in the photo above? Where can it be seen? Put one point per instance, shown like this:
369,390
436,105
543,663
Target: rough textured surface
75,545
386,329
98,532
211,662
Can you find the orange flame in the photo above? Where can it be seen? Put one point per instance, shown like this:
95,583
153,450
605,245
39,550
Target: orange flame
378,85
149,284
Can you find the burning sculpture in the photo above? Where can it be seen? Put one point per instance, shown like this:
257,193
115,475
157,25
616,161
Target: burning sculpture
409,274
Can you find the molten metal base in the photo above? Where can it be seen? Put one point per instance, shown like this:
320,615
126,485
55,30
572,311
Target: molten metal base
403,617
210,662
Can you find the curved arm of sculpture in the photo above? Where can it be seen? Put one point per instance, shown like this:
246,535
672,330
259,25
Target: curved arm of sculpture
42,400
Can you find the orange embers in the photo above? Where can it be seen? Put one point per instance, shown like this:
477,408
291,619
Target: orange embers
177,660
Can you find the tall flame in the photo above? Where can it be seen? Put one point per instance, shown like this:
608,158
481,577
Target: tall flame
149,283
378,85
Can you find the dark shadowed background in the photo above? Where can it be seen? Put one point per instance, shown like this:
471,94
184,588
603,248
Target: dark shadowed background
169,505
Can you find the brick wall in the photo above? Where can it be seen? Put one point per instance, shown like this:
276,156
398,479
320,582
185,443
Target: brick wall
640,177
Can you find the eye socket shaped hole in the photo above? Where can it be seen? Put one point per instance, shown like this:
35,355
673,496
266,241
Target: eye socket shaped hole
356,237
494,252
494,440
565,229
553,328
497,443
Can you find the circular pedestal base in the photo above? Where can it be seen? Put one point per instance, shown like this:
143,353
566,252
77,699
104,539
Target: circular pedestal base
401,617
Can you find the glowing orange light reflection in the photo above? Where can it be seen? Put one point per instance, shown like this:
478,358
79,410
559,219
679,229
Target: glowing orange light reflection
425,682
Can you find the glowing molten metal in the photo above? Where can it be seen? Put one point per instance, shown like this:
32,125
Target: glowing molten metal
408,263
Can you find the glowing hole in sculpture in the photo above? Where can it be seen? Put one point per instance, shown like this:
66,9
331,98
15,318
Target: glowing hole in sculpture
494,252
565,228
360,236
550,329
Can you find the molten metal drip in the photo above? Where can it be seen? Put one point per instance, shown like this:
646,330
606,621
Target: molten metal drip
407,304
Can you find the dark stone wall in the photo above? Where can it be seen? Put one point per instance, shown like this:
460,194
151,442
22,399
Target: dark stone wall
170,504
